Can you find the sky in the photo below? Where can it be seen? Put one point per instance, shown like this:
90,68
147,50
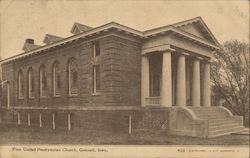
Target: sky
21,19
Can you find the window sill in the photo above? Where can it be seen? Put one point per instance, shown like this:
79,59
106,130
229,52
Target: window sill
20,98
43,97
73,95
31,97
96,94
57,96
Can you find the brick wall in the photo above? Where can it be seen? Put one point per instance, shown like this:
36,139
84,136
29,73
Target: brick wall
119,69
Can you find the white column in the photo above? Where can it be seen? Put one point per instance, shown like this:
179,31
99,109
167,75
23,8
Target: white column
206,85
181,81
144,80
196,83
166,94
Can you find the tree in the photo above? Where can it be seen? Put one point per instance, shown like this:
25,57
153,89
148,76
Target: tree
229,75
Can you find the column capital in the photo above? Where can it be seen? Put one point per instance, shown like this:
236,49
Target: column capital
209,61
169,50
202,59
199,58
184,53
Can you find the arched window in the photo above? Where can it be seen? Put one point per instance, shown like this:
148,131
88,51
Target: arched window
73,77
31,83
20,84
42,81
56,79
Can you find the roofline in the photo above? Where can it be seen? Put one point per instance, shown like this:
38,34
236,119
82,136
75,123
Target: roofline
209,31
76,24
198,18
75,37
118,26
179,31
174,24
187,21
48,35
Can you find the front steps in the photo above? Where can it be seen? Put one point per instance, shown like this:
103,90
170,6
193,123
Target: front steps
246,131
205,122
220,120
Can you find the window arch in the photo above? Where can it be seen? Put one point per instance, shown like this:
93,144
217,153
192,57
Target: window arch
20,84
56,79
42,81
31,83
73,76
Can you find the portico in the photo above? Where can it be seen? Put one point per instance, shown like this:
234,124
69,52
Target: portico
173,78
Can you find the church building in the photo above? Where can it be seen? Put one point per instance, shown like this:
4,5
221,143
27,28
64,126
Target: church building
117,78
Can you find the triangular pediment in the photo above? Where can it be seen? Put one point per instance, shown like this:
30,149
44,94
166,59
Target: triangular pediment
51,39
78,28
198,28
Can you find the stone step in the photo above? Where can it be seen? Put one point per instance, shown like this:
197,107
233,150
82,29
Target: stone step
208,113
245,131
211,117
214,122
225,131
223,126
204,109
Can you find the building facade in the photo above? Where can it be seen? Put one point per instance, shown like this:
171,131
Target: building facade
113,76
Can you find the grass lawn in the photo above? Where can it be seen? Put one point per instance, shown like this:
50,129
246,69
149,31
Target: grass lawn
20,135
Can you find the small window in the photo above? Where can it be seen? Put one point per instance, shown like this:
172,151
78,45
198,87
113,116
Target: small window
96,49
31,83
43,82
20,84
74,84
73,77
56,79
96,79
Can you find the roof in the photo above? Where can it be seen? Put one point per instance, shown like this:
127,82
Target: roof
29,47
199,20
78,28
51,38
174,28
